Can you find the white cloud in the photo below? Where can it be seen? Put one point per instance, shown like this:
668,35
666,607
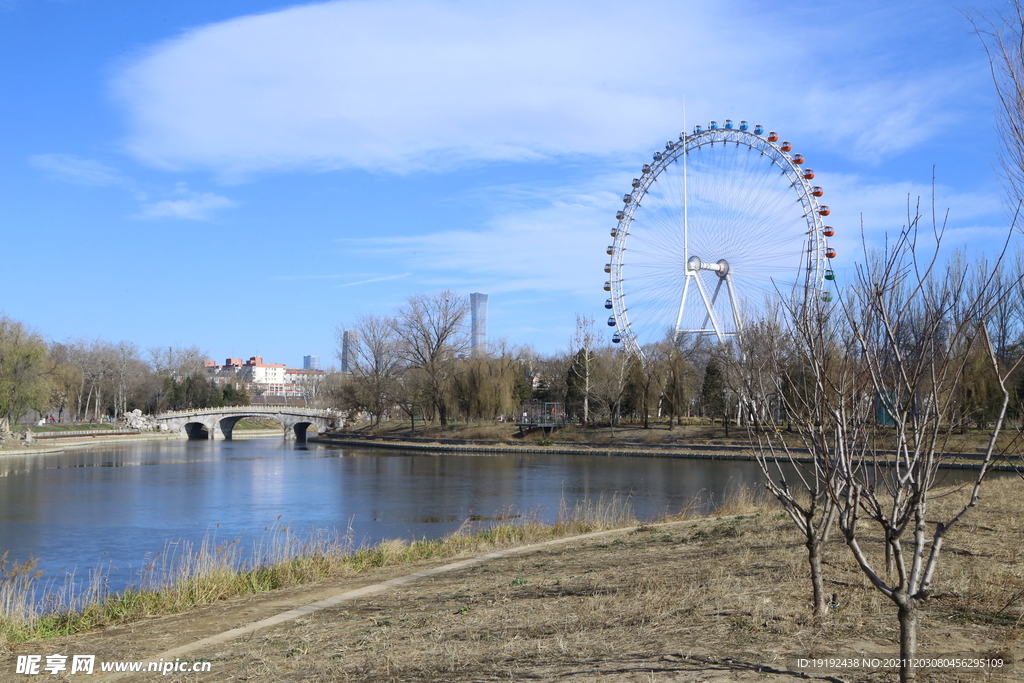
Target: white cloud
400,85
196,206
73,169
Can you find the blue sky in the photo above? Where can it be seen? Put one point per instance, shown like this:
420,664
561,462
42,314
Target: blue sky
246,176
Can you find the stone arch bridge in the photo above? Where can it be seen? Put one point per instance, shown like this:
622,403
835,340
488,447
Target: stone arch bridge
218,423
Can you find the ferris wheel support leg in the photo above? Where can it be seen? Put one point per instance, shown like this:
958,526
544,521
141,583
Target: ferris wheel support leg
714,299
737,319
682,302
710,309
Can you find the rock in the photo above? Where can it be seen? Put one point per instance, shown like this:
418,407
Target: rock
136,420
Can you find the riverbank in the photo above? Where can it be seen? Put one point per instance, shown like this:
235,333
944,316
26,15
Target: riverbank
717,599
74,440
705,451
80,440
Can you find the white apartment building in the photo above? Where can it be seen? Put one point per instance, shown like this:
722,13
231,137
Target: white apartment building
268,379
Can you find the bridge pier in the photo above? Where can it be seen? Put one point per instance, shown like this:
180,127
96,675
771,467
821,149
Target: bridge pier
226,426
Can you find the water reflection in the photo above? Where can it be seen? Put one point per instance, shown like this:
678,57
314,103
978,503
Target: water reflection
116,504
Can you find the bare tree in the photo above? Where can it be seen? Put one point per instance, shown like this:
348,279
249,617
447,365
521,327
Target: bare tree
375,363
910,329
581,361
413,394
431,334
94,360
780,364
609,379
177,362
1003,38
126,355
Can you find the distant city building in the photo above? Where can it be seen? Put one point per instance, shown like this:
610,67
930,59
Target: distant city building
267,376
478,317
349,344
275,380
311,362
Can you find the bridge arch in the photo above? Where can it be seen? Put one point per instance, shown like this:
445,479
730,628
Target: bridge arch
196,431
300,429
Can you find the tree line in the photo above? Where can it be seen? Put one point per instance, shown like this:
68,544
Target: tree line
83,380
416,364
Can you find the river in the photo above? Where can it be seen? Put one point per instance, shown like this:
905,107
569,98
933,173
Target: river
115,506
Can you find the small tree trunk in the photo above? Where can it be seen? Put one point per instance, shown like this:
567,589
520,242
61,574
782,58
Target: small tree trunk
817,581
907,615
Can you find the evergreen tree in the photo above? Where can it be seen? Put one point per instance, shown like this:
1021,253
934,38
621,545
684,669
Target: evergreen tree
712,393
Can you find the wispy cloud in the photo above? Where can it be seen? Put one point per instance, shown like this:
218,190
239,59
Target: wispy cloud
554,245
335,276
544,245
196,206
456,83
376,279
72,169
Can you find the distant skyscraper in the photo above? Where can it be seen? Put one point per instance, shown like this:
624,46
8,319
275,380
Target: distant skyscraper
478,315
311,362
349,340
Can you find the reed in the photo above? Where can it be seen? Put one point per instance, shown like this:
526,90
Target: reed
183,576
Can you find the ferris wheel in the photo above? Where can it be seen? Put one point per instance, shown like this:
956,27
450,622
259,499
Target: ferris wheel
719,222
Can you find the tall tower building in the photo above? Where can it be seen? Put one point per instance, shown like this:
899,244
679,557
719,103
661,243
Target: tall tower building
478,316
349,340
311,362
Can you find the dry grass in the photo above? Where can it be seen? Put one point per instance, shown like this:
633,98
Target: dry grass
716,599
182,576
698,601
493,432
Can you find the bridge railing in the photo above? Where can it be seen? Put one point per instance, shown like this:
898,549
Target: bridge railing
251,410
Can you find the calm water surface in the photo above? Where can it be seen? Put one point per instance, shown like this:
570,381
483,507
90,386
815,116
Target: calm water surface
115,505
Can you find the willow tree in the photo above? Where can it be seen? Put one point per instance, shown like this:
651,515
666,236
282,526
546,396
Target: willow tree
489,385
24,385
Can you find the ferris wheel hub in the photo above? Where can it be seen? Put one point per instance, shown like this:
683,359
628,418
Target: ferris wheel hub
694,265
